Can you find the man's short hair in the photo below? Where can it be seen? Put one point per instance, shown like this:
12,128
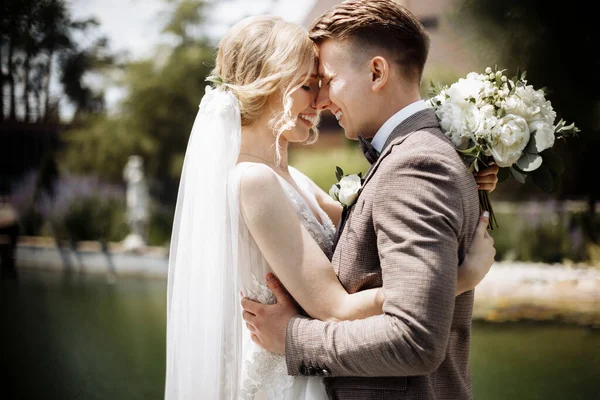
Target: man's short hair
380,24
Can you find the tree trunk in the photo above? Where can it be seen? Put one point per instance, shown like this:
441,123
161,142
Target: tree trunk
47,85
37,102
1,88
12,112
26,88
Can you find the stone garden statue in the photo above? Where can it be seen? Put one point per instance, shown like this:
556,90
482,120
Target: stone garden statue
137,203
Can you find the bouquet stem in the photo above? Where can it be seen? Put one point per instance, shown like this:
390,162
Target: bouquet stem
486,205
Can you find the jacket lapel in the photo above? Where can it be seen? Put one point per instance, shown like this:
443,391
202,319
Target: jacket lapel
418,121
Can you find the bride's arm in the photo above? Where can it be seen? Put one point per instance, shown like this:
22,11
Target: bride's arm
294,256
304,269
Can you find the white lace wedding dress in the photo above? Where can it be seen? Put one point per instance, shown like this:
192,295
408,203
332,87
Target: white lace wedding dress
264,374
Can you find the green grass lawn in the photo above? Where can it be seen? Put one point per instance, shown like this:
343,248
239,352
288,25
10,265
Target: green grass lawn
319,165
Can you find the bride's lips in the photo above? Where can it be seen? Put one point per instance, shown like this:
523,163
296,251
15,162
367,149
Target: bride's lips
307,123
308,119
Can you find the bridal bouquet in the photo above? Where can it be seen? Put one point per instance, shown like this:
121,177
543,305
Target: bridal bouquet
491,118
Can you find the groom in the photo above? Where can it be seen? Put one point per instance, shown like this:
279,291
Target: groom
408,231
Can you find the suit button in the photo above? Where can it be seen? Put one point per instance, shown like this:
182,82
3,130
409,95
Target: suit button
311,371
326,372
303,370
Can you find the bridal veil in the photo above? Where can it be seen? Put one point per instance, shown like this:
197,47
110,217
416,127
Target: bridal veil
203,313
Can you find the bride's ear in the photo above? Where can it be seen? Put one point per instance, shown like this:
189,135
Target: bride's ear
380,72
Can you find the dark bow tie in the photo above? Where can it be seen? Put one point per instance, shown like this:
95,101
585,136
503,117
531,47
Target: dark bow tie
368,150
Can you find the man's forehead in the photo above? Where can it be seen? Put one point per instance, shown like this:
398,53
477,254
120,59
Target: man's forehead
323,70
329,54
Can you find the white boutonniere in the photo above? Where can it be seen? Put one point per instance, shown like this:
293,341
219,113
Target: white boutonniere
347,189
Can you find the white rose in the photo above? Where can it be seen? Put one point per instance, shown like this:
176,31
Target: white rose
544,134
511,136
349,187
334,192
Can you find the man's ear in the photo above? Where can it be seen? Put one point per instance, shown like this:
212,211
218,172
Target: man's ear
380,73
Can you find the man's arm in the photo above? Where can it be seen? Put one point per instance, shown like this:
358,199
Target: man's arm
417,216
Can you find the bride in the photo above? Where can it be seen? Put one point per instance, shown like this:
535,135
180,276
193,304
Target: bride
264,98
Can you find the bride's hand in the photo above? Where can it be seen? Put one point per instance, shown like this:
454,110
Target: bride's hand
479,258
487,178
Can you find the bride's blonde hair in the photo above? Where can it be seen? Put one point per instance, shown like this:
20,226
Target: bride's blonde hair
261,56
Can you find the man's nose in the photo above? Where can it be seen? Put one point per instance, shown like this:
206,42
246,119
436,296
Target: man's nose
323,102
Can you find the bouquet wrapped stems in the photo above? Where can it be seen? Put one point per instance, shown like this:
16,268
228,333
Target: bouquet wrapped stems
486,205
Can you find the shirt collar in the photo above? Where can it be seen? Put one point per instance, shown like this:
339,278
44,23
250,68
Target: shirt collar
387,128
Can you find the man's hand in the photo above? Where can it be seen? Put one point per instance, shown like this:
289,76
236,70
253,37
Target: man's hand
268,322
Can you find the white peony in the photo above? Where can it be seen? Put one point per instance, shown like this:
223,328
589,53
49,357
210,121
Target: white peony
487,122
510,137
546,113
531,104
544,134
459,123
349,187
463,90
515,105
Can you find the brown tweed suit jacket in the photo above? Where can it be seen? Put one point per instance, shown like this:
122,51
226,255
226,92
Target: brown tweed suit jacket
408,231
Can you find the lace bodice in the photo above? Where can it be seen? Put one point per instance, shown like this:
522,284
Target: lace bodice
265,372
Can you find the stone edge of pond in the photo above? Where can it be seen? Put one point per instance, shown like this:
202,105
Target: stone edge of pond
511,292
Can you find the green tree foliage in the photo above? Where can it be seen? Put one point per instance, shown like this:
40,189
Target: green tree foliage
37,37
156,116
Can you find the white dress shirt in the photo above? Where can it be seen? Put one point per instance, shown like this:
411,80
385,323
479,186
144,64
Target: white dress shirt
386,129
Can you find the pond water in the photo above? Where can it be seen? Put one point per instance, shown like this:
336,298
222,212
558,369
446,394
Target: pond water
70,336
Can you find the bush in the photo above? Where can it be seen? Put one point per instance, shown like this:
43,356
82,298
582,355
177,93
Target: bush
83,208
93,218
542,232
160,225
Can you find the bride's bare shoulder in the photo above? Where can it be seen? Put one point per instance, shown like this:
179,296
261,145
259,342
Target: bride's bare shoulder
259,186
256,174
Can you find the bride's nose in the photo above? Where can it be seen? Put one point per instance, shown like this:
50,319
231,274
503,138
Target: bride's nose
322,101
